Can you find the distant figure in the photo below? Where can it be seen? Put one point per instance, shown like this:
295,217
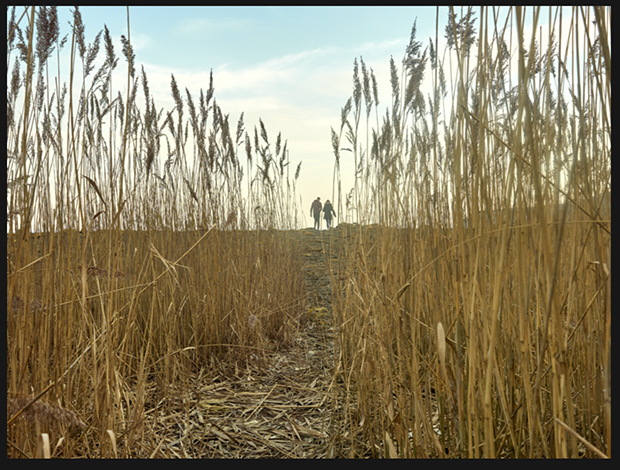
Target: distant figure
328,209
315,210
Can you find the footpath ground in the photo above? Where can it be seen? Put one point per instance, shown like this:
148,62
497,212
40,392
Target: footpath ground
282,409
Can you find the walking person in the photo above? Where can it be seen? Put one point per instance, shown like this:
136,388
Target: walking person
328,210
315,210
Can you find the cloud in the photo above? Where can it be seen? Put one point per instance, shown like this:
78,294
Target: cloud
288,69
299,95
140,41
380,48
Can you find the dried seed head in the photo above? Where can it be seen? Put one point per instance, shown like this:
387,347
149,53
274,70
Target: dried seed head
43,411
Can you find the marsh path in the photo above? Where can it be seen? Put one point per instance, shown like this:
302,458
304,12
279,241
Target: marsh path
285,407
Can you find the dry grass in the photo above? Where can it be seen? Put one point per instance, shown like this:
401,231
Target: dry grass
134,258
472,317
473,320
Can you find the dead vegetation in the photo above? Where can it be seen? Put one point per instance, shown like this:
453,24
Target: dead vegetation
155,309
482,291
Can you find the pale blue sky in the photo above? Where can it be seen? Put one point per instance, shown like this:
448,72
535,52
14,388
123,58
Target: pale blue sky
198,37
290,66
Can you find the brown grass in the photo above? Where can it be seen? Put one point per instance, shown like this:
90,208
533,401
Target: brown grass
133,255
471,299
481,296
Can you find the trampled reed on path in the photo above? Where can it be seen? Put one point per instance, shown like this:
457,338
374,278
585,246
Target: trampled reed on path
474,319
134,256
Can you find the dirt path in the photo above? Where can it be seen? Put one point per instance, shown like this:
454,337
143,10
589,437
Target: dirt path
282,409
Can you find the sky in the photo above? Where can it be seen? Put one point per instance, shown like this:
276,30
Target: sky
292,67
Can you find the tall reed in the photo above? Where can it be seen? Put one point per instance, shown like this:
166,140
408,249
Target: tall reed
472,321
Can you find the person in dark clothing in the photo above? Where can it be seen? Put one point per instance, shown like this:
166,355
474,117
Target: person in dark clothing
315,210
328,210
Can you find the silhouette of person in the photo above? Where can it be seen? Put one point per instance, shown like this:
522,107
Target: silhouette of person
328,209
315,210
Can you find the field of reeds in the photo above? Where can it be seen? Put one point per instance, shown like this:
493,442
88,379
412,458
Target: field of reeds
475,319
471,300
130,261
